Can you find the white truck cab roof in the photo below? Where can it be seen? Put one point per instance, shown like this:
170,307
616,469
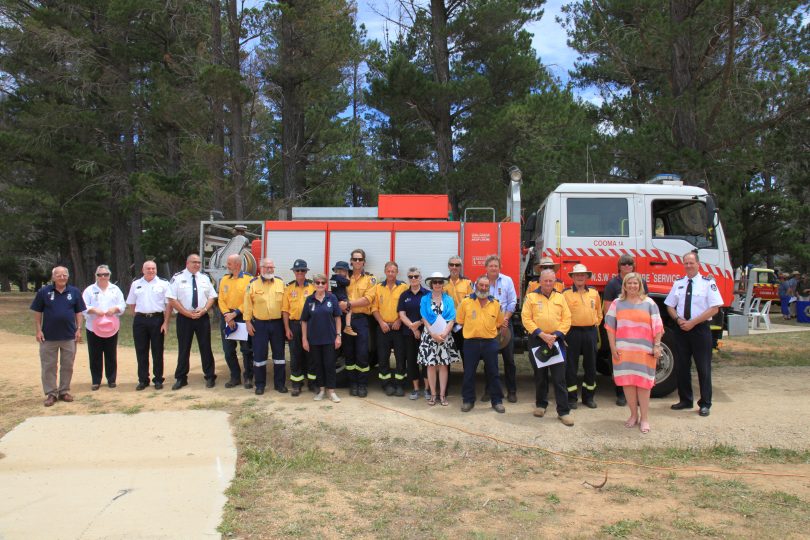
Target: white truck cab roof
640,189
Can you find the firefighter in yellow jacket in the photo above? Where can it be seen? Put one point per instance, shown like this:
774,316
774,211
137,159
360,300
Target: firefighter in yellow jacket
231,298
546,263
295,294
547,319
355,348
263,299
582,339
384,309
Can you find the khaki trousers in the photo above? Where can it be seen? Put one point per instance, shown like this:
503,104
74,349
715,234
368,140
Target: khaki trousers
49,356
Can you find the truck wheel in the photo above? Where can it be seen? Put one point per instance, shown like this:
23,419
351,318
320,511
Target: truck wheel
665,380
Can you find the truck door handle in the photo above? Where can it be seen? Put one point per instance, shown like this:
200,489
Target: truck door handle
571,261
658,263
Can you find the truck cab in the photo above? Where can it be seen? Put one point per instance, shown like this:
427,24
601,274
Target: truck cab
657,223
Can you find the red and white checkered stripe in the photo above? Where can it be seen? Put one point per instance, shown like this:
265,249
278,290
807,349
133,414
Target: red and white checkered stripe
637,254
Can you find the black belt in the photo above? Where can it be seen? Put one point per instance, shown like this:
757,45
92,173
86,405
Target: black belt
591,327
155,314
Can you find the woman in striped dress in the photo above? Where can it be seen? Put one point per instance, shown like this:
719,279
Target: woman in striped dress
634,330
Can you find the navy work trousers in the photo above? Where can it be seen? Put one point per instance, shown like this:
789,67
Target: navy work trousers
269,333
475,350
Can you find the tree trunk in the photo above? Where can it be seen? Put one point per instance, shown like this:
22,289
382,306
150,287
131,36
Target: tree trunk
76,260
442,125
292,114
684,121
236,122
217,105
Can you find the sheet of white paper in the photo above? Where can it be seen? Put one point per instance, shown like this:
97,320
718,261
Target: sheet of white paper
240,334
438,325
556,359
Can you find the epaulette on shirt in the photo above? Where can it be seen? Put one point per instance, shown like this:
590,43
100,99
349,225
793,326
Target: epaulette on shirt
254,279
175,275
708,278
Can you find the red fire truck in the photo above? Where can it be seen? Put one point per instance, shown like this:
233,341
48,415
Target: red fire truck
592,224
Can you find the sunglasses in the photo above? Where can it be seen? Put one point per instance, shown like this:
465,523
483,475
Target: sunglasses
103,275
357,259
296,271
454,264
628,264
320,283
414,277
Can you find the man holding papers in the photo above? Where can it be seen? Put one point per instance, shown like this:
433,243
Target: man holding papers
481,318
547,319
232,288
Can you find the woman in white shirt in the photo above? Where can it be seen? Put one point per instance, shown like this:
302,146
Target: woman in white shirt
105,304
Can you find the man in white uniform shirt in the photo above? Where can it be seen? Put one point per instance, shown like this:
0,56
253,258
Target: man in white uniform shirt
692,302
151,309
192,294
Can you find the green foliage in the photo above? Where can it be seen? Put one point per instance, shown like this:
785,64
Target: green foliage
709,93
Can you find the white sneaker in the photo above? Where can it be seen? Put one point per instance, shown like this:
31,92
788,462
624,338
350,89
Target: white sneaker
318,396
334,397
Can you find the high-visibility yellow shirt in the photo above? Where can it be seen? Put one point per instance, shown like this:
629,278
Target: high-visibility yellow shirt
386,300
585,306
479,321
361,286
263,299
294,297
232,292
548,313
534,285
459,290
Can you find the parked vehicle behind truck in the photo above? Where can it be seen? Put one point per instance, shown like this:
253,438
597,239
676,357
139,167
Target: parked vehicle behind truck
591,224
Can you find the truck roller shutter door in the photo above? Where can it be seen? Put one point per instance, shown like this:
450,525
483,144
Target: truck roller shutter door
286,246
376,244
428,250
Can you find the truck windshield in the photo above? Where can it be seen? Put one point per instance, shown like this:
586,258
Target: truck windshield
683,219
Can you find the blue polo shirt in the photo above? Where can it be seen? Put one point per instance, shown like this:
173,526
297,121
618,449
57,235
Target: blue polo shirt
409,303
58,311
320,319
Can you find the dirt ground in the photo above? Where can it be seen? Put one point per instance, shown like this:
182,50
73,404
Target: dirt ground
753,409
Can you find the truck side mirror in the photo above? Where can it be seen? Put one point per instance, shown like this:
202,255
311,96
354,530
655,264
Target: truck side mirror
712,216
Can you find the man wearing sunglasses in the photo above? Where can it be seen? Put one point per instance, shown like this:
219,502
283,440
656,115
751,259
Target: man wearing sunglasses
355,348
458,287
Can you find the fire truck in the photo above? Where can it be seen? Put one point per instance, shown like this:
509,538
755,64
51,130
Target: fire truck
591,224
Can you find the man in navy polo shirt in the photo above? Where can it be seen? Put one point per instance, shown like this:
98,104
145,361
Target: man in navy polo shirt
58,323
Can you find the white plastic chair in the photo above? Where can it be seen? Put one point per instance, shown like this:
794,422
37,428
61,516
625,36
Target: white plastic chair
756,314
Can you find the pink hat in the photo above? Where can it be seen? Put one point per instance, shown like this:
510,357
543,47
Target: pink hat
106,326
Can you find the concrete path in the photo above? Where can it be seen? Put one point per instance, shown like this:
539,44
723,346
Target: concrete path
147,475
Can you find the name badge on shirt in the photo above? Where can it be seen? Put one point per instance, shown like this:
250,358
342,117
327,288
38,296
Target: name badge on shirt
474,315
539,304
